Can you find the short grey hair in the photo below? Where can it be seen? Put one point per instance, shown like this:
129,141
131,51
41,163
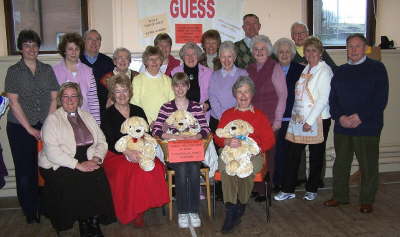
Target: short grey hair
122,49
264,39
190,45
298,23
91,31
284,41
241,81
227,46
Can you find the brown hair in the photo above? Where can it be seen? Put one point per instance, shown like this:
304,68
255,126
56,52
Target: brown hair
313,41
180,77
151,51
210,34
68,85
70,38
119,79
162,37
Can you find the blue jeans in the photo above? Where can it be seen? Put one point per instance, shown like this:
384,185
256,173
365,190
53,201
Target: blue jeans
187,186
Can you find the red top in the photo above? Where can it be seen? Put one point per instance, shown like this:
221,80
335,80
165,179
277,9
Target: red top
263,134
172,63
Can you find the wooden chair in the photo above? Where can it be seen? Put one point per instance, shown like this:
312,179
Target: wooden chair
204,172
261,176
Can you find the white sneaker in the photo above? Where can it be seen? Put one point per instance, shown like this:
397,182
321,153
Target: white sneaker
284,196
183,220
194,220
309,196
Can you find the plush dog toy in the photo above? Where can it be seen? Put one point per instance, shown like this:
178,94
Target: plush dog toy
237,160
182,122
137,139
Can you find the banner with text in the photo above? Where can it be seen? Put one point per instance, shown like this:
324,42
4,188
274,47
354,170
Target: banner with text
187,20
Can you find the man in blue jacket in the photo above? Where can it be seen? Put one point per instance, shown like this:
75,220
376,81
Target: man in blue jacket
359,95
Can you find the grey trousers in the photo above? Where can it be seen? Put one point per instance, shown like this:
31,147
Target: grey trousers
235,188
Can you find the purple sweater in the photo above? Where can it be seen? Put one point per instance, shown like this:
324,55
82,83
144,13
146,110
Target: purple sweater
220,90
87,83
168,108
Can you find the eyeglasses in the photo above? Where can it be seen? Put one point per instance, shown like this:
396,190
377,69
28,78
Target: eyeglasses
72,97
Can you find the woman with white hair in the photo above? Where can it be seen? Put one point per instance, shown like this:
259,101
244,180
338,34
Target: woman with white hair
285,50
271,95
199,75
122,58
221,82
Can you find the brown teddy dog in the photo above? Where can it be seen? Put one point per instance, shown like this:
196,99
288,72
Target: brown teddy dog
182,122
237,160
137,139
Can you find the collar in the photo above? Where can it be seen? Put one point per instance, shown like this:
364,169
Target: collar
285,69
248,42
25,67
127,73
300,50
358,62
159,74
229,73
250,108
91,59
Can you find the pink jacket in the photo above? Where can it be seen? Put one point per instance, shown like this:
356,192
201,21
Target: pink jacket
87,83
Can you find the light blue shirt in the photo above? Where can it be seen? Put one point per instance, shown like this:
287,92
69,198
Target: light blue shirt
90,59
358,62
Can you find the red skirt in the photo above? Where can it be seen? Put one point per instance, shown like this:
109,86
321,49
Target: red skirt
134,190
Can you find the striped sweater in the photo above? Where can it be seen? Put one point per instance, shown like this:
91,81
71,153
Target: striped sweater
168,108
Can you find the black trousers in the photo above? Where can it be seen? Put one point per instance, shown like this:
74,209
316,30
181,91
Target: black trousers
281,149
317,154
187,186
25,156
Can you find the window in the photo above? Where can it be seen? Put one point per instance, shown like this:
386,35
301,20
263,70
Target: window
333,20
49,18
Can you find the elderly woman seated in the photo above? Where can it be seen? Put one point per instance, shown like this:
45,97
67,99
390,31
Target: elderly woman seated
74,147
187,177
236,191
134,190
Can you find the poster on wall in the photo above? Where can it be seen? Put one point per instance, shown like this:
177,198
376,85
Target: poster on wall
186,20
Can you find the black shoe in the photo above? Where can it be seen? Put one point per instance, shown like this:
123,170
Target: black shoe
253,195
277,188
94,226
321,184
84,229
230,216
30,219
260,199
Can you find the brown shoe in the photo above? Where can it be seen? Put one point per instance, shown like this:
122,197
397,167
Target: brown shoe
366,208
331,203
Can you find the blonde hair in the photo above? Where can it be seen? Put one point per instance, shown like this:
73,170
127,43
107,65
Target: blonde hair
119,79
69,85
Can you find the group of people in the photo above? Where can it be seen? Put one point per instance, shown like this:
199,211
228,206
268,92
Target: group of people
288,92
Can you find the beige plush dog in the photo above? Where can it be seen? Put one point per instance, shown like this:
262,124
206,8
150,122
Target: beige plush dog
137,139
237,160
182,122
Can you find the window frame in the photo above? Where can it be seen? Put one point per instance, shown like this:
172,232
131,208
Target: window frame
370,21
12,48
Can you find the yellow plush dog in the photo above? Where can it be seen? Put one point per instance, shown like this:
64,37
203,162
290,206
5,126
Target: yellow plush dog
181,122
137,139
237,160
